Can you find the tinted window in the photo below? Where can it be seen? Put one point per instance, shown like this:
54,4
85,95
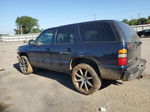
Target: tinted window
65,35
147,30
45,38
96,32
129,34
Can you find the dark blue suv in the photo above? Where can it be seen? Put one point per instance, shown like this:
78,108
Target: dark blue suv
89,51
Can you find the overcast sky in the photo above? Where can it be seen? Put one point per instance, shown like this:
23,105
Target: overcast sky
52,13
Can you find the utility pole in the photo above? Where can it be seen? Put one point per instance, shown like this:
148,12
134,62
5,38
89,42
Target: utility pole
139,15
94,15
20,29
139,18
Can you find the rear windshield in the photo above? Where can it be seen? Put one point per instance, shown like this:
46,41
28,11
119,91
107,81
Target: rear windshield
129,34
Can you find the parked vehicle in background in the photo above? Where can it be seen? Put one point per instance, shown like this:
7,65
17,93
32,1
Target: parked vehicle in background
90,52
144,33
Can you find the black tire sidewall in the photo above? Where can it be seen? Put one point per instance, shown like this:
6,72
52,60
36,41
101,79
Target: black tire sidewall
29,69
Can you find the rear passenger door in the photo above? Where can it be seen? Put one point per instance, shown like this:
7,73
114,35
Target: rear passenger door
63,48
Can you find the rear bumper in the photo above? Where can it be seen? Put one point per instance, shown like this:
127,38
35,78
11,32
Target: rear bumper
135,71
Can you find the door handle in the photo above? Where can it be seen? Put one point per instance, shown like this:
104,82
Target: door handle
68,49
48,49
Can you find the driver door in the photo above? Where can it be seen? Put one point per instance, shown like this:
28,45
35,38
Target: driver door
39,53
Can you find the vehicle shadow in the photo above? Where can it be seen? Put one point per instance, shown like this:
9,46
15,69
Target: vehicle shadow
65,79
107,83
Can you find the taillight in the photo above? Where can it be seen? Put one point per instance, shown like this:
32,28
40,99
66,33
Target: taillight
122,57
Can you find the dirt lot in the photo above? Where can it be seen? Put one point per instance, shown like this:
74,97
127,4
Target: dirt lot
48,91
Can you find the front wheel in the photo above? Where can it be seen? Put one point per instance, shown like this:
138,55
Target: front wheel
25,66
85,79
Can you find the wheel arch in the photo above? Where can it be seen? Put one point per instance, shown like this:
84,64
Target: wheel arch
88,60
23,54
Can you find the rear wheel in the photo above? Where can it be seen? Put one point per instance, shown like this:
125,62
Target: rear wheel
25,66
85,79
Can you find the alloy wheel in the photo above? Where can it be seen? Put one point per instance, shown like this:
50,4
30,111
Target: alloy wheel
24,65
83,79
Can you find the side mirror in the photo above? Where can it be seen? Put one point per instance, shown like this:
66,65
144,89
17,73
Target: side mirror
31,42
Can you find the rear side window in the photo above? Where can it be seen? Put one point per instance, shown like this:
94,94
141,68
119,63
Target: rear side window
96,32
129,34
65,35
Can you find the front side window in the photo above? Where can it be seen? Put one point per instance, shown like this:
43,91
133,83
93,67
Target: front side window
96,32
65,35
45,38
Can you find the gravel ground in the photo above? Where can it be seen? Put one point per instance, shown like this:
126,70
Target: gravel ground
48,91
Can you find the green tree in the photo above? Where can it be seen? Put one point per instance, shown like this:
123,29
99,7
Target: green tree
133,22
148,21
137,21
125,21
142,20
26,24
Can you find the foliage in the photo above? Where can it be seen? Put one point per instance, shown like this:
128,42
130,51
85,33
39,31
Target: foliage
142,21
148,21
125,21
133,22
26,24
139,21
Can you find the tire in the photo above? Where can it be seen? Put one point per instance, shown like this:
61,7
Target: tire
85,79
25,66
